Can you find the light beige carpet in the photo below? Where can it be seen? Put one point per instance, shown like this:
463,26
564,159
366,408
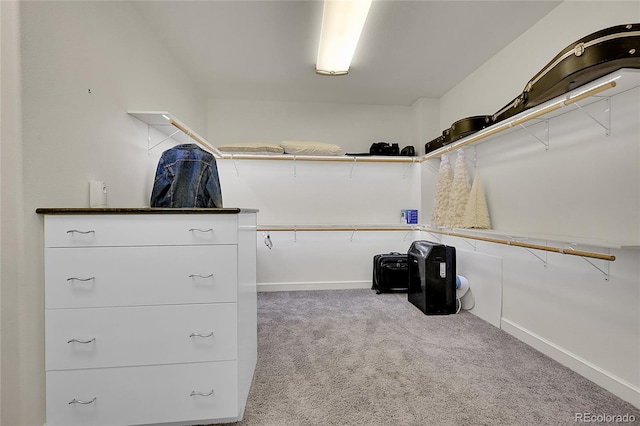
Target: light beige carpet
351,357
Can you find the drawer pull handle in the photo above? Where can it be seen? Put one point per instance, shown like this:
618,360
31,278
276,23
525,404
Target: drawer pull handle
201,230
84,342
79,401
201,335
194,393
76,231
81,279
201,276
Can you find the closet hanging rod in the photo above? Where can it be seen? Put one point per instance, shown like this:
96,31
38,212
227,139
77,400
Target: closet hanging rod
348,159
312,228
274,228
195,137
570,251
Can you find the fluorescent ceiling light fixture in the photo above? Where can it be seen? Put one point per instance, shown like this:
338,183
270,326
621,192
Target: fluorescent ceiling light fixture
342,23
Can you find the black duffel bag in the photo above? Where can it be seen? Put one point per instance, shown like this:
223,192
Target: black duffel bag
384,148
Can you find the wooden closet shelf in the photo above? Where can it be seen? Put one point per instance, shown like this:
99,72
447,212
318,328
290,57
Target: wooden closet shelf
609,85
612,84
341,158
173,128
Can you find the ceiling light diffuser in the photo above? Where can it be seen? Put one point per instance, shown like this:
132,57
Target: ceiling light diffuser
342,23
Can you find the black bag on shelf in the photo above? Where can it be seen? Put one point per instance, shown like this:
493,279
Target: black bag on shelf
390,273
384,148
409,151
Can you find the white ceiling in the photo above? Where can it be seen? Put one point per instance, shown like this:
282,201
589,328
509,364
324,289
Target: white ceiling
266,50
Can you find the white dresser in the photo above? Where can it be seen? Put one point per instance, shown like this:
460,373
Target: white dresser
150,315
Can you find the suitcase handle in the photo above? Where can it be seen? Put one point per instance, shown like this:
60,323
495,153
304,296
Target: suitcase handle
396,267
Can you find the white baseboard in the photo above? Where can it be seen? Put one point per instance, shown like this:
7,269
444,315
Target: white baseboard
326,285
617,386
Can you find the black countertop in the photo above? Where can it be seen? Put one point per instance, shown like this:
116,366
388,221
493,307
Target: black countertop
139,210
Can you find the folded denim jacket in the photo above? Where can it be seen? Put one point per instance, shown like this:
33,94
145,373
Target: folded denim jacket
187,176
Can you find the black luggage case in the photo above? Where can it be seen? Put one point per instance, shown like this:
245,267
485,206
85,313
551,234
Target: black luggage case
432,277
390,273
459,130
582,62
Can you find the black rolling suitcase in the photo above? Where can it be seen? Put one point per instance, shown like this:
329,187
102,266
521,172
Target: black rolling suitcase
432,277
390,273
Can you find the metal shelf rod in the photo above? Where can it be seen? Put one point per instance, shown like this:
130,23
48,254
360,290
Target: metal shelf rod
569,251
311,228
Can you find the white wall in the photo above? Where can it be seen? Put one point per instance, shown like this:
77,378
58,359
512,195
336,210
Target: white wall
426,122
324,260
352,126
312,193
320,193
10,209
586,186
84,64
309,193
124,68
316,193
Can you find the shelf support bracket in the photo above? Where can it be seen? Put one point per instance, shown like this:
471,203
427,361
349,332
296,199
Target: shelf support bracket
473,245
544,142
353,233
540,258
407,168
353,165
295,173
436,169
165,139
605,273
148,139
607,115
235,165
436,236
543,260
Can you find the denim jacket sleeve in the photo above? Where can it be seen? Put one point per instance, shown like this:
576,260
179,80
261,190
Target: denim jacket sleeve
160,196
213,188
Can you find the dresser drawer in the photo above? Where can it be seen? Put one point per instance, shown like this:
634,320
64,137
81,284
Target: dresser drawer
134,230
123,276
141,395
113,337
